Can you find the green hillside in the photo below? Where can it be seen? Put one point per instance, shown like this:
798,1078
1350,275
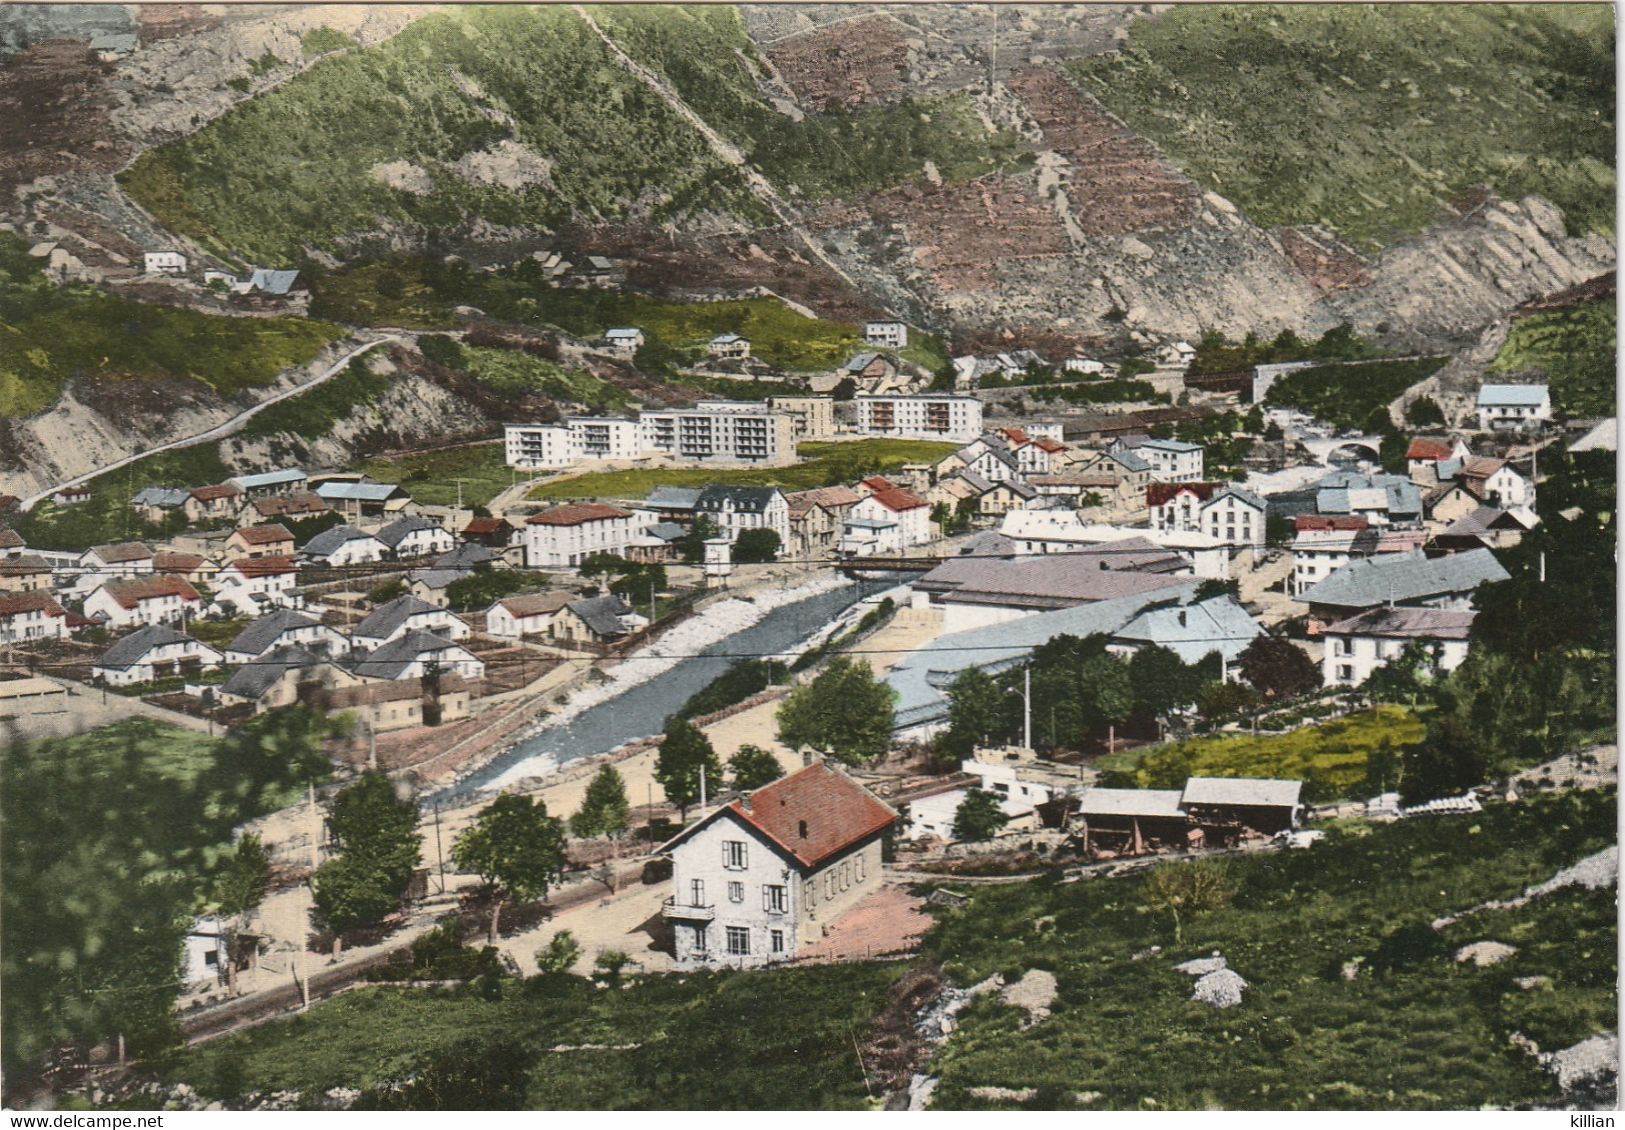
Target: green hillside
1371,117
1572,349
521,116
52,335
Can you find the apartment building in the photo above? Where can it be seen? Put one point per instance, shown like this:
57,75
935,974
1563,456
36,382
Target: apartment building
947,417
720,432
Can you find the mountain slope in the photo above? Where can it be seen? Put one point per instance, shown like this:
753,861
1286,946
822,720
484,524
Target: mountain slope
1375,120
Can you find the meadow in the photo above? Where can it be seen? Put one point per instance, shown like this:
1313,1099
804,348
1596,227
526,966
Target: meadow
1573,350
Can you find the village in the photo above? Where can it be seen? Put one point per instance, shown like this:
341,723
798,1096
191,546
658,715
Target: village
444,636
767,557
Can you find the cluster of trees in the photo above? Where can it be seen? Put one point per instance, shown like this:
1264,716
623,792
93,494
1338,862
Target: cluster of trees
686,754
1216,354
375,824
1079,689
633,581
736,684
1539,678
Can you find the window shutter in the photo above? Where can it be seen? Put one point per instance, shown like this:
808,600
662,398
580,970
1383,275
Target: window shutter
724,853
744,860
767,897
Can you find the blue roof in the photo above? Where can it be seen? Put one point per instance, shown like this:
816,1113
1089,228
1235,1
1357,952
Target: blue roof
1521,395
922,676
1191,631
623,331
673,498
165,498
1173,445
359,492
272,282
268,478
868,523
1369,581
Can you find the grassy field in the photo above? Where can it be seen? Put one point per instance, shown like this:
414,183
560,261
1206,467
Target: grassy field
1370,119
421,294
685,1035
1421,1032
107,516
109,842
1573,350
1350,396
824,464
510,371
57,334
430,477
1331,754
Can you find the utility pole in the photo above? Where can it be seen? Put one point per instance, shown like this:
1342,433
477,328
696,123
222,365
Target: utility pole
702,792
1027,706
439,853
316,826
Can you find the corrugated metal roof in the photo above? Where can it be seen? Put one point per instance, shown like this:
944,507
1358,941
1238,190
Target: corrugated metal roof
1522,396
1259,791
1163,803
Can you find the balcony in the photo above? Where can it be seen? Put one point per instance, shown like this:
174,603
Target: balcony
671,908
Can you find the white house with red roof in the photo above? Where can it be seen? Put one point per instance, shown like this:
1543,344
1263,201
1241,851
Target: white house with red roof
567,535
129,601
31,616
885,502
768,873
1425,453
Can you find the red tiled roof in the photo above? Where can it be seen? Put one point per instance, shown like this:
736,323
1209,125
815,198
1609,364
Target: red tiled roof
535,603
1480,467
1158,493
263,566
10,539
24,565
300,502
264,535
802,501
898,500
130,592
1015,435
1317,522
31,602
1422,447
121,552
878,483
1044,443
815,813
575,513
177,562
479,527
209,494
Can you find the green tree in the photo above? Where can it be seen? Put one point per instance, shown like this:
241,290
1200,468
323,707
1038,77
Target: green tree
515,848
1404,679
1188,889
1278,668
978,816
1424,412
377,834
1106,690
752,767
1161,681
978,709
845,711
604,809
1383,768
559,956
442,350
692,544
1449,761
603,565
241,888
755,546
1214,587
683,753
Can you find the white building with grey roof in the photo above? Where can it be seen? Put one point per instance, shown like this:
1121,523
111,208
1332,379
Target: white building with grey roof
389,622
155,652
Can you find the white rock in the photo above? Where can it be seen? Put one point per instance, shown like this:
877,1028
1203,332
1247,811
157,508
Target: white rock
1485,953
1222,988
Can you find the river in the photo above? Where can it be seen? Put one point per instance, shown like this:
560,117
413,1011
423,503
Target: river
641,711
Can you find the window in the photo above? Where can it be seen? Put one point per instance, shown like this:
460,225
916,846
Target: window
736,892
857,868
809,893
829,884
846,876
738,939
733,854
699,939
777,940
696,892
775,899
1345,672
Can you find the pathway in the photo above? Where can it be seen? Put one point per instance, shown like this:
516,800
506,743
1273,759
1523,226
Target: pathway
219,431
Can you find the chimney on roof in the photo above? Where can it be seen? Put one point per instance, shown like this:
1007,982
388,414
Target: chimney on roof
1182,618
802,827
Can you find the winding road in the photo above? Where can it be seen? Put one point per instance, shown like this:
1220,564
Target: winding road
219,431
